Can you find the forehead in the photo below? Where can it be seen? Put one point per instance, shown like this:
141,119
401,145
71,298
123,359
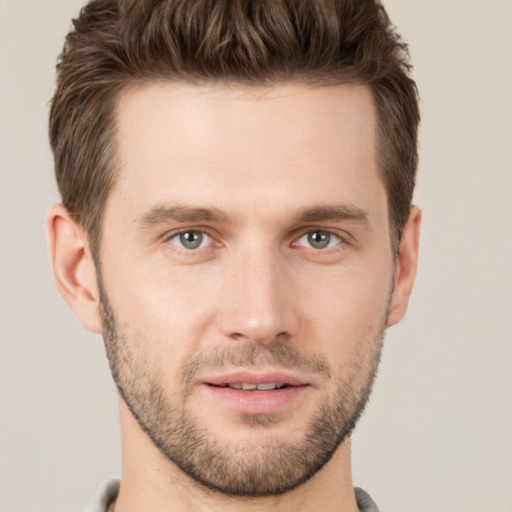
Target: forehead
287,142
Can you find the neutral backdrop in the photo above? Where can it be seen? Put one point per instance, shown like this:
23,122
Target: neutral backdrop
437,435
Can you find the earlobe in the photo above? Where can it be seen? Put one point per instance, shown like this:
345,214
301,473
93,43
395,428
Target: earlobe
406,265
73,266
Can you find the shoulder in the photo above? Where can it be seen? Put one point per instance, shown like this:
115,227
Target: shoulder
104,496
364,501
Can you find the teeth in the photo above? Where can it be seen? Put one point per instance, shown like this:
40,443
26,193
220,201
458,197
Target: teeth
251,387
265,387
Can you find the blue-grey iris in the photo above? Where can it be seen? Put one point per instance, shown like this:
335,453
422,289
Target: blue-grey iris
319,239
191,239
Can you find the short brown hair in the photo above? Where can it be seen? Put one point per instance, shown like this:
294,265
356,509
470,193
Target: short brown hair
118,43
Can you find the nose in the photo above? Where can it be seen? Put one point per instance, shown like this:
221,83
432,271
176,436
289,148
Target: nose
258,299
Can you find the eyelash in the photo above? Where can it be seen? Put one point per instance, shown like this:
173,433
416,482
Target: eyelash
196,231
323,232
340,240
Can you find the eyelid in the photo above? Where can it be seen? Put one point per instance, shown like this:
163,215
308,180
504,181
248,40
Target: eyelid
334,241
206,239
168,236
185,229
343,237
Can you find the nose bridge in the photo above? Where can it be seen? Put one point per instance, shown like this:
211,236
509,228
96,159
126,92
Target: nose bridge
258,304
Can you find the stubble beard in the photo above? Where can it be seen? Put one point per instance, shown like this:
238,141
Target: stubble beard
264,470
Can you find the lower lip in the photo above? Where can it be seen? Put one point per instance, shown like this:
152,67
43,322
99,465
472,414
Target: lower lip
256,402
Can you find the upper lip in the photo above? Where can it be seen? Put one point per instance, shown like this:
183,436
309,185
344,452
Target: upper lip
278,377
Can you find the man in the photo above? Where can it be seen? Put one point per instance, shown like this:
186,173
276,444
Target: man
236,222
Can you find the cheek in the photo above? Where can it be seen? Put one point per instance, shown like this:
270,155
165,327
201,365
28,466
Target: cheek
162,314
348,311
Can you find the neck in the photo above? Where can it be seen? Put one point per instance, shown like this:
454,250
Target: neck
151,482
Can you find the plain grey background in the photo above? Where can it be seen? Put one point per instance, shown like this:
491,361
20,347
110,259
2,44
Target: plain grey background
437,433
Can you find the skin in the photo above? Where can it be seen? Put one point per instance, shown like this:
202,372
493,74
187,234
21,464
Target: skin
263,158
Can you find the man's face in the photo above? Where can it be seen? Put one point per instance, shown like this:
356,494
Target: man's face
246,272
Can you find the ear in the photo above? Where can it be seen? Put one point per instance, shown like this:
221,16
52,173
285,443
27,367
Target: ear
406,265
73,266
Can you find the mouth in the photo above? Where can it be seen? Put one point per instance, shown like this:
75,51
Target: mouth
246,386
250,393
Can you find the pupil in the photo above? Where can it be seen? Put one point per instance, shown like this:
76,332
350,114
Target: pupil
319,239
191,239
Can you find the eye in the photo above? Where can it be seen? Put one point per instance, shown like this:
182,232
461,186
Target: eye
319,239
191,240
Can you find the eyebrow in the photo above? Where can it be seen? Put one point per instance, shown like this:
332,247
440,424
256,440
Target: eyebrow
159,214
336,212
165,213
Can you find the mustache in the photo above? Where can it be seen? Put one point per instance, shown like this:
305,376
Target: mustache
249,354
